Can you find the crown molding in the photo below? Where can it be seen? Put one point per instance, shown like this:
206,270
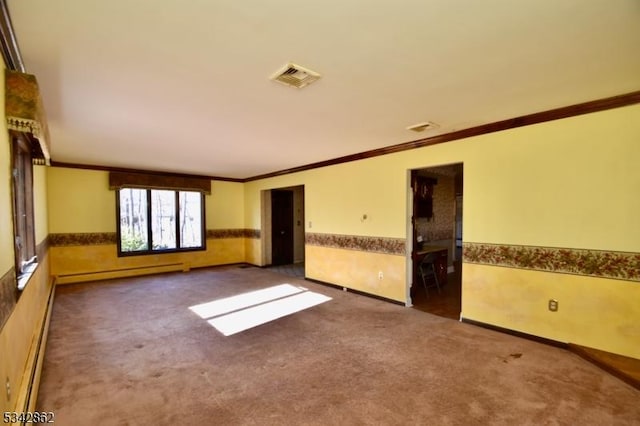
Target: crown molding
511,123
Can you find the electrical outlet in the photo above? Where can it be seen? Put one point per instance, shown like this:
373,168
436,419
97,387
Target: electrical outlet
380,275
553,305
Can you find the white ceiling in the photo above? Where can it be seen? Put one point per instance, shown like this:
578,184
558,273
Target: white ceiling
183,86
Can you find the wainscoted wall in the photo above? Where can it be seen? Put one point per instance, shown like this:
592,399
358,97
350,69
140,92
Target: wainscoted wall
253,248
82,257
9,293
347,260
597,293
20,333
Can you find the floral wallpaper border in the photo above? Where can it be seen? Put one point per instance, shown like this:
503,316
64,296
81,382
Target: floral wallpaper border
384,245
43,247
103,238
83,239
593,263
8,295
233,233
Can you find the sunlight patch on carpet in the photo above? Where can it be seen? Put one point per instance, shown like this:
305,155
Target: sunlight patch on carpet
234,314
245,300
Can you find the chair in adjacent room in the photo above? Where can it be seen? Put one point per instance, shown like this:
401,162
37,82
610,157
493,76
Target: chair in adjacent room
428,269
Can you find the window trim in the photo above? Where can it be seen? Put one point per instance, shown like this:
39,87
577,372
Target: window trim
25,249
150,250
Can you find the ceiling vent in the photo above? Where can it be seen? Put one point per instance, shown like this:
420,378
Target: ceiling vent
421,127
295,76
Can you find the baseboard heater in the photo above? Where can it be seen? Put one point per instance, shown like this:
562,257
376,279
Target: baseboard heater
77,277
28,396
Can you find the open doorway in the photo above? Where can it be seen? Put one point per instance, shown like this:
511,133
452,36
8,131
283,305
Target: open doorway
436,240
283,229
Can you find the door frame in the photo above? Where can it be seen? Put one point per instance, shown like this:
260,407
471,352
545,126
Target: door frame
409,242
266,256
282,221
410,230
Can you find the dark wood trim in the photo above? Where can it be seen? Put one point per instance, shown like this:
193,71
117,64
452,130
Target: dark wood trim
511,123
150,249
527,336
119,180
351,290
8,42
148,172
586,353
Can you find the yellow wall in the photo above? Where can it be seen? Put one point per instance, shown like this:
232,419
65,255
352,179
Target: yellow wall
336,198
6,218
252,251
225,205
19,336
21,330
601,313
94,262
353,267
81,202
566,183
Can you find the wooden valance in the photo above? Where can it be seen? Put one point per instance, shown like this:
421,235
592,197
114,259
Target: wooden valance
24,111
119,180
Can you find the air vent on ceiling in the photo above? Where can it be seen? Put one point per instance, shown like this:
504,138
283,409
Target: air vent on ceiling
295,76
421,127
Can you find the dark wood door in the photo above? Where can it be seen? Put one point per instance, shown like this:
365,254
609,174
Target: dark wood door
281,227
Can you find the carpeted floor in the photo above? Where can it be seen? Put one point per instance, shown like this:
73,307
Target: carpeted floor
131,352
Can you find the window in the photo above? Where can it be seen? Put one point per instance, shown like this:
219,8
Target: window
159,220
23,222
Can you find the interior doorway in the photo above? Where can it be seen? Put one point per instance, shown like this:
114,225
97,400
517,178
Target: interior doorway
435,238
283,228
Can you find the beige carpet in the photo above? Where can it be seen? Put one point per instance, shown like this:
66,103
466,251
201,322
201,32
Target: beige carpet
131,352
